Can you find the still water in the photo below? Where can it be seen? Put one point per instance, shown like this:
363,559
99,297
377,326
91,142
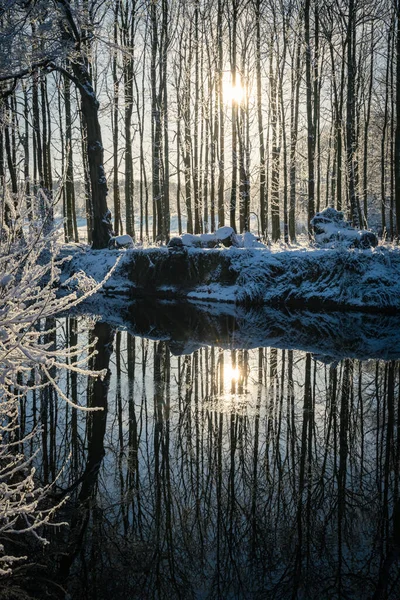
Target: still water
222,467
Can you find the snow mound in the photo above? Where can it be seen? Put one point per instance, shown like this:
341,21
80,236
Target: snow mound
120,241
223,237
331,229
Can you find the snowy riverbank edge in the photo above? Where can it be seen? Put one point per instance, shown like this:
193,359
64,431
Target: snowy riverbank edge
323,279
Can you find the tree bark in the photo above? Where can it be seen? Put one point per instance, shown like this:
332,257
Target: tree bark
397,132
261,144
102,229
310,122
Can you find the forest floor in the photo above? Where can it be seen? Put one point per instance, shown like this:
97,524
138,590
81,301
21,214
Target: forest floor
280,276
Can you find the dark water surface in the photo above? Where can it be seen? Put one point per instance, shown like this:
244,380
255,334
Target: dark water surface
239,455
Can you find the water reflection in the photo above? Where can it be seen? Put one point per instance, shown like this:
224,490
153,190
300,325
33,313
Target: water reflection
244,473
187,326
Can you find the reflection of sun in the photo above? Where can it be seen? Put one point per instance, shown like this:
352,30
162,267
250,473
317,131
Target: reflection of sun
231,374
232,93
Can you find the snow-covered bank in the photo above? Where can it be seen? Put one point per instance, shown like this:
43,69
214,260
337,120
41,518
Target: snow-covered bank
319,279
187,326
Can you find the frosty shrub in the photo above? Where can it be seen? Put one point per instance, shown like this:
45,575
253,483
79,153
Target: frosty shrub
28,296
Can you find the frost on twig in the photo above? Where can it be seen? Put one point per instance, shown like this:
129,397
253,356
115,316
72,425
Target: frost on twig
29,272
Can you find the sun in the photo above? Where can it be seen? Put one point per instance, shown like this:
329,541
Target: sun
231,375
232,93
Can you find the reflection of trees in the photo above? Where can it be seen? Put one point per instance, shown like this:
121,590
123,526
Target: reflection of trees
86,506
279,482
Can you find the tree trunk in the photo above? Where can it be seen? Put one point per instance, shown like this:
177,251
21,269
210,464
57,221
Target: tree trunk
232,207
102,229
117,200
221,175
69,176
261,144
397,132
275,204
164,91
366,129
127,39
244,151
350,113
196,187
310,123
294,128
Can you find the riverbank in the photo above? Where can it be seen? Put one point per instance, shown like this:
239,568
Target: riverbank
322,279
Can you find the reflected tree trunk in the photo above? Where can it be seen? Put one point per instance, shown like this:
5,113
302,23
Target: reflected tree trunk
97,421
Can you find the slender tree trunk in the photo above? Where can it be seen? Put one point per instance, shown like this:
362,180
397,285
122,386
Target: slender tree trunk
233,200
294,128
63,151
86,177
384,137
69,176
128,38
244,151
196,199
46,128
275,170
310,122
350,113
29,203
188,140
283,133
397,132
391,144
164,66
37,138
214,147
366,130
221,175
143,182
117,199
207,142
156,126
102,229
261,145
316,107
12,168
178,80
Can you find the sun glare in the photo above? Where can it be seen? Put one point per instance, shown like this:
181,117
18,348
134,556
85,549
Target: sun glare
232,93
231,374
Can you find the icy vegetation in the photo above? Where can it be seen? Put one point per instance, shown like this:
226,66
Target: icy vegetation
317,278
29,362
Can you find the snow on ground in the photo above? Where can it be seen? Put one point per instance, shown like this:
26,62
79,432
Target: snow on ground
95,264
278,276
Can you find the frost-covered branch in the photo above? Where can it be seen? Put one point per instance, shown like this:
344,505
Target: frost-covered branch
29,271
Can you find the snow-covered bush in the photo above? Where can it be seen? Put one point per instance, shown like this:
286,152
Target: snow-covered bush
330,227
28,296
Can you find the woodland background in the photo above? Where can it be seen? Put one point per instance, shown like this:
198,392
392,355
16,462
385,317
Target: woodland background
196,114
